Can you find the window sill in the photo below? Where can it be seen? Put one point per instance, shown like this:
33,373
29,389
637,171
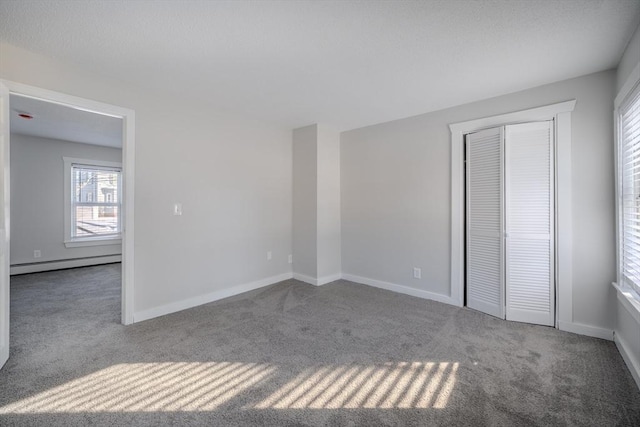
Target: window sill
629,299
102,241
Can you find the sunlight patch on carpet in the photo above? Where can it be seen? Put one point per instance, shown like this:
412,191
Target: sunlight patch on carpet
391,385
147,387
205,386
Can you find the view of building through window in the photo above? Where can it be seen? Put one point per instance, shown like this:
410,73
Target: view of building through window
95,202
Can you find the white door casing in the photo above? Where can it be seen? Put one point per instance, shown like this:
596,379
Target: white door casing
128,175
4,224
561,114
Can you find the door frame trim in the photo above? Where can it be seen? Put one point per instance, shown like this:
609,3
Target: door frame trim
561,114
128,174
5,230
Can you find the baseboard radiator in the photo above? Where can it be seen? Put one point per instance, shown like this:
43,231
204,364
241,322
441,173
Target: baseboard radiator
37,267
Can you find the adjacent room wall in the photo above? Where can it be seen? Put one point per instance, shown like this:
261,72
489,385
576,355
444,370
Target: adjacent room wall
396,194
232,176
37,198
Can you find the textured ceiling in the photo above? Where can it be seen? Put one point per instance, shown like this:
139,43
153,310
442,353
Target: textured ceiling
342,63
57,121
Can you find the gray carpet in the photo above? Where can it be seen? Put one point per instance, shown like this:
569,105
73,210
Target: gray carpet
294,354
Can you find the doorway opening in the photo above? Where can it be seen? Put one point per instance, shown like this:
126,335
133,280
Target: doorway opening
104,211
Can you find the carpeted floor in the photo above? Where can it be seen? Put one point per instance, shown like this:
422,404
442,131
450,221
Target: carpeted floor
295,354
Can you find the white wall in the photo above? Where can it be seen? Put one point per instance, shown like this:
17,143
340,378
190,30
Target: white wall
396,201
232,176
37,198
630,59
627,334
305,202
329,257
316,204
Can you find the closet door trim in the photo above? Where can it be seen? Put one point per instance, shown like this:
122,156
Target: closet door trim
561,112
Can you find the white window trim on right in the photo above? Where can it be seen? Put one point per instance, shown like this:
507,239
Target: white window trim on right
629,92
69,240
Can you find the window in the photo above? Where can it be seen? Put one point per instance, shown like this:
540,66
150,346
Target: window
93,202
628,115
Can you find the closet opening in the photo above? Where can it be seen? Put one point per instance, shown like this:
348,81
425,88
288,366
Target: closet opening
560,113
509,222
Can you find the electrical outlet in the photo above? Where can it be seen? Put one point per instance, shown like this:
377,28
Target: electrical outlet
37,253
290,259
269,256
417,273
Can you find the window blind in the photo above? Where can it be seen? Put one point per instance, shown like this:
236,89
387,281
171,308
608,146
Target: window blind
95,201
629,136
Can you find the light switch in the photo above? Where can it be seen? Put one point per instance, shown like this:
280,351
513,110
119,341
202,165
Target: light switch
177,209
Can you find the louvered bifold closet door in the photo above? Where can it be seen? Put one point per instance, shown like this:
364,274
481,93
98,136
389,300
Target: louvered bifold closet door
529,222
485,249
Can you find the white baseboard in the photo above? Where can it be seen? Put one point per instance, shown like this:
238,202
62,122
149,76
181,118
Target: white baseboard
590,331
38,267
207,298
629,358
401,289
4,353
319,281
304,278
328,279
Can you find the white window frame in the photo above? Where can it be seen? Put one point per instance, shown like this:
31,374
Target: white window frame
631,297
69,240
